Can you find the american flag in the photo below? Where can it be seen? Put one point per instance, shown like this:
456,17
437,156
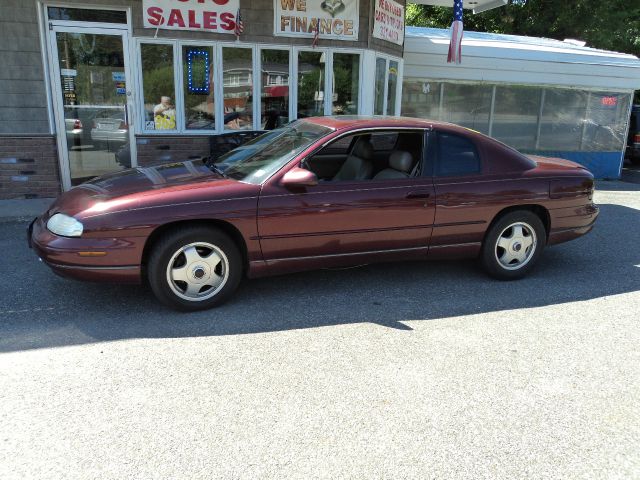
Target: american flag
239,24
455,44
316,34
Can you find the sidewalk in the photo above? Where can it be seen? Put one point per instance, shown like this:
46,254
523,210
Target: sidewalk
21,209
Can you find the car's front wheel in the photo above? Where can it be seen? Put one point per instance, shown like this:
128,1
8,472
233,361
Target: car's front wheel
194,268
513,245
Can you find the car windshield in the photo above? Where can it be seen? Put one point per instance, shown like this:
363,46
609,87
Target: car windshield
257,160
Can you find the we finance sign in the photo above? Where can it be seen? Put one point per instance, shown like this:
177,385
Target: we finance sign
217,16
333,19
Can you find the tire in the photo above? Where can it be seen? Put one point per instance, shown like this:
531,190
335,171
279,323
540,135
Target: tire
194,268
513,245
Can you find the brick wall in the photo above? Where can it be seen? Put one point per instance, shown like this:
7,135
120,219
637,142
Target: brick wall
157,149
28,167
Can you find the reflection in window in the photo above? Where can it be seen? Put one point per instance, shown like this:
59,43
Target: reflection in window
381,66
456,156
87,15
515,118
237,79
274,109
346,81
467,105
606,122
392,86
562,119
310,84
158,87
197,71
530,118
421,98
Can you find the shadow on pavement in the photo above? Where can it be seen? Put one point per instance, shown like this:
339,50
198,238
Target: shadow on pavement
40,310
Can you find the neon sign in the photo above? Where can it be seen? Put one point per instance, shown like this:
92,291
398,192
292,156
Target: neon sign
198,72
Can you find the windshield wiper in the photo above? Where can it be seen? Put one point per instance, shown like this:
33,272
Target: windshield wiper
216,169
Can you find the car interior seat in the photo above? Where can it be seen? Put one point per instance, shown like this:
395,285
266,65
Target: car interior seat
400,166
358,165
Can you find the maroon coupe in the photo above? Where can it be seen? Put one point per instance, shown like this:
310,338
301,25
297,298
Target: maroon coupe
320,192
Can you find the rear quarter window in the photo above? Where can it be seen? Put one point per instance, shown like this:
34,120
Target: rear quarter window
456,156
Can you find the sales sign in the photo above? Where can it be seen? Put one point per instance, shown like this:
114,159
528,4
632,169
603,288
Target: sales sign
217,16
332,19
388,22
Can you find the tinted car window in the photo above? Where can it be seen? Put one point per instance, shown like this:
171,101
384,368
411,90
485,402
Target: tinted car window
456,156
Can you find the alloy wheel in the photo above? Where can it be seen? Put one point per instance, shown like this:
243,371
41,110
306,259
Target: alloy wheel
515,246
197,271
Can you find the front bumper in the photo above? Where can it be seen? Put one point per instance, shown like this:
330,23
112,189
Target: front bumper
61,254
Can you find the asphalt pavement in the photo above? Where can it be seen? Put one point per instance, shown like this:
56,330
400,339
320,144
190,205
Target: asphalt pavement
405,370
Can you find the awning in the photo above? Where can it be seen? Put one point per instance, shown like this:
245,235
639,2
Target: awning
277,91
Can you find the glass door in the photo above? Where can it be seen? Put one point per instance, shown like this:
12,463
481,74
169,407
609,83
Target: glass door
90,79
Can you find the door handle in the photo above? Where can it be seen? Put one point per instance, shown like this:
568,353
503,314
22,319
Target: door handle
418,195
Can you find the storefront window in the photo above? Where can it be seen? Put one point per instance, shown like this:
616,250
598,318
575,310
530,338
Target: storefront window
563,117
311,84
605,124
274,109
237,80
515,117
421,98
467,105
346,83
158,86
197,72
392,87
381,66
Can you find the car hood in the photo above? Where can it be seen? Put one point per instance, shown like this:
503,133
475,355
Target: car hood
172,183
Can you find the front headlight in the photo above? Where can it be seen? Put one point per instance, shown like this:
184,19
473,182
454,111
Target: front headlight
64,225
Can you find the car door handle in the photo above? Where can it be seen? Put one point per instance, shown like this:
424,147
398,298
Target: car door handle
418,195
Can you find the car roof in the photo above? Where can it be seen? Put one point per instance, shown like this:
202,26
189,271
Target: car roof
351,122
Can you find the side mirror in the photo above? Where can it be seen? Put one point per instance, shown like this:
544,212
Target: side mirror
299,177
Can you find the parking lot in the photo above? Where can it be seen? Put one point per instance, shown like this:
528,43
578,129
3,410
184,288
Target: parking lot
406,370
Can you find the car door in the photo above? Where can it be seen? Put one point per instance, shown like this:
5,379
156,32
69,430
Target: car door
349,221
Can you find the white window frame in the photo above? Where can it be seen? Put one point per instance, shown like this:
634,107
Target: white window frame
182,113
328,77
220,65
178,102
256,48
360,54
388,59
290,83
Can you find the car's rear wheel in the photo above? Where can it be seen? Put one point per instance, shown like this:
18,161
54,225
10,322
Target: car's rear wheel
513,245
194,268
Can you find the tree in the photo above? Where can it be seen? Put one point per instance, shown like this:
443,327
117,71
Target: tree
611,25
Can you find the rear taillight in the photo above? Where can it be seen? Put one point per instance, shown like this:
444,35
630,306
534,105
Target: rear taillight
636,138
77,124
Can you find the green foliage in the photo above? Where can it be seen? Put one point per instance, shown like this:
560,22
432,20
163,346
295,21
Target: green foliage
158,82
611,25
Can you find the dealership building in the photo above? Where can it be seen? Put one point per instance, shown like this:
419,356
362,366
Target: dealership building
89,88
